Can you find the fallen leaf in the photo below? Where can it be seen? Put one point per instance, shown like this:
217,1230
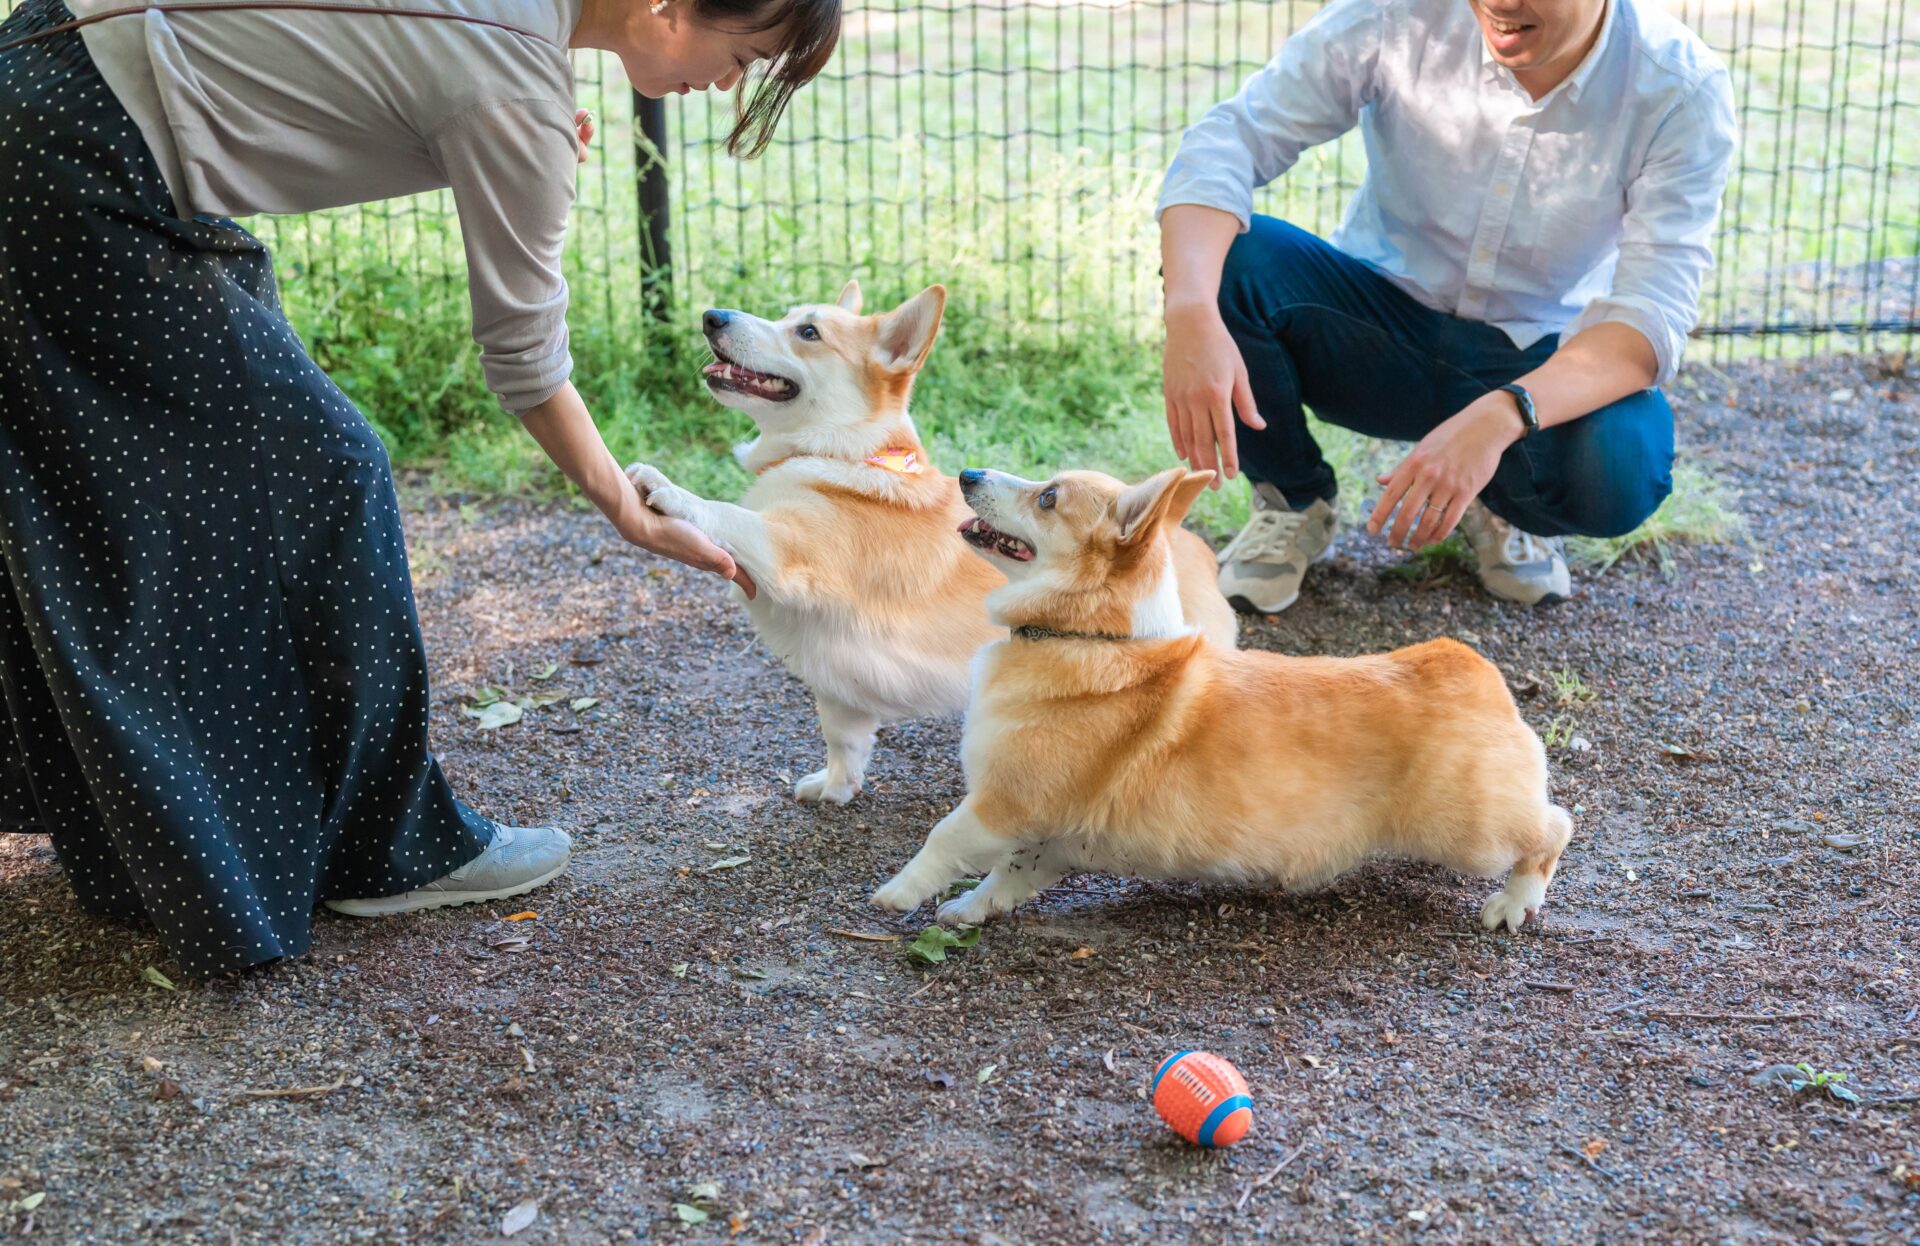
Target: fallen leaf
869,936
680,970
511,943
581,705
704,1191
687,1213
496,715
581,659
940,1081
547,672
166,1089
151,1065
728,863
1108,1061
527,916
981,1078
934,941
816,1238
1593,1148
522,1215
861,1160
487,696
159,979
526,1054
32,1201
1313,1062
745,972
1082,954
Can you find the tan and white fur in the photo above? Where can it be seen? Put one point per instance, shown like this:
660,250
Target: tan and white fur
864,592
1103,734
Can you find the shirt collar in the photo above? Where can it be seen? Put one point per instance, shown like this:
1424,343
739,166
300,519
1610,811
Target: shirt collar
1492,70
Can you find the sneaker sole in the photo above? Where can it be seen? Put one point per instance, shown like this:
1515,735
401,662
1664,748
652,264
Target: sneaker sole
423,901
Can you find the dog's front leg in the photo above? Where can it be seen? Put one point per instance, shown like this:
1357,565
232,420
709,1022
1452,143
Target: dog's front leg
1020,875
735,529
960,844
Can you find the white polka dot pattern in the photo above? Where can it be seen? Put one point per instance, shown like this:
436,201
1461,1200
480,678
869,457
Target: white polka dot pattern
215,690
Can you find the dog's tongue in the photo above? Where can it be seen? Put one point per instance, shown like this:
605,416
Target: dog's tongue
713,369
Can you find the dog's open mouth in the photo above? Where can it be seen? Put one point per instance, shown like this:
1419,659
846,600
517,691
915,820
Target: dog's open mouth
984,536
723,373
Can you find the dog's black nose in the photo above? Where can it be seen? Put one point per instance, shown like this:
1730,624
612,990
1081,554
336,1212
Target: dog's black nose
972,476
714,321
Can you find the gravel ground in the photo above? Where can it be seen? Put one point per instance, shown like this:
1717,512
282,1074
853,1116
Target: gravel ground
671,1021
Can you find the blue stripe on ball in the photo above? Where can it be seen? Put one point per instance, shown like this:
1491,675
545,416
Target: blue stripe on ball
1167,1064
1220,1113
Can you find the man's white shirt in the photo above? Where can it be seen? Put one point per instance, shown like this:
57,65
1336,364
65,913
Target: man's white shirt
1595,203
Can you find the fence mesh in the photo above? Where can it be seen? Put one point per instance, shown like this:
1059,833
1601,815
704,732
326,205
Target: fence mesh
1012,148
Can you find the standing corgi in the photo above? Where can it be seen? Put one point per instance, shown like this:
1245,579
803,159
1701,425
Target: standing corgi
848,531
1105,733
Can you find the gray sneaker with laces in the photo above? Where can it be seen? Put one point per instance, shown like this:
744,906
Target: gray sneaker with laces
1514,565
519,859
1261,569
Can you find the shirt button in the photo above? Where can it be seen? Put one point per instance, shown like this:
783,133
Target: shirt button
1502,188
1483,255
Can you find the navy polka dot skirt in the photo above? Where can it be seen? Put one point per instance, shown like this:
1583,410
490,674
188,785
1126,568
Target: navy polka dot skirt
215,692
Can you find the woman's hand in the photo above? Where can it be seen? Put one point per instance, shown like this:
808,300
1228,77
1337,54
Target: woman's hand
1446,471
567,433
679,540
1205,383
583,126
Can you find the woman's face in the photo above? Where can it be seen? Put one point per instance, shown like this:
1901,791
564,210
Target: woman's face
1535,35
675,51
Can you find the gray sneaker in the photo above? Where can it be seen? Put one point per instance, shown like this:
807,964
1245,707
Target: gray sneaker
519,859
1515,565
1261,569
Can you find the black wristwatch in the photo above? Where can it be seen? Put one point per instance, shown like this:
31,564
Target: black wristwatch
1527,413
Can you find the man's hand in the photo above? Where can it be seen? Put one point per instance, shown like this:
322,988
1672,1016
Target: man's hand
1446,471
1205,382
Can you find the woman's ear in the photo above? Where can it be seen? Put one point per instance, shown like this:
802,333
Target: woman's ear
850,296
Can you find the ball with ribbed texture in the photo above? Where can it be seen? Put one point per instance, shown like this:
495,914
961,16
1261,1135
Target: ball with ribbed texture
1203,1098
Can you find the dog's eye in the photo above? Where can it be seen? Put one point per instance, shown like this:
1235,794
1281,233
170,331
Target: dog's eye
1047,498
808,333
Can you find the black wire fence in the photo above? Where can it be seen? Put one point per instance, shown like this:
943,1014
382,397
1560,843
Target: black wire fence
1012,149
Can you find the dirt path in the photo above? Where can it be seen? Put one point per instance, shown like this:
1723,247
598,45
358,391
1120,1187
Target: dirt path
666,1022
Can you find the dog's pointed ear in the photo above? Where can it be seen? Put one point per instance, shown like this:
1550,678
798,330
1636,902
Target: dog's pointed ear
907,332
850,296
1185,493
1141,507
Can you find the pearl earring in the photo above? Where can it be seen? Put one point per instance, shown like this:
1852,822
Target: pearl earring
657,7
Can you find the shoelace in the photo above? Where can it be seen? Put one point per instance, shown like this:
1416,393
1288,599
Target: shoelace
1517,546
1267,534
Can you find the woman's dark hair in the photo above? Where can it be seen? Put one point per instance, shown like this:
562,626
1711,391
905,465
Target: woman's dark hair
809,29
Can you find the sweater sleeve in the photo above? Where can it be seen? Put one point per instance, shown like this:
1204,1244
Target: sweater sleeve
511,166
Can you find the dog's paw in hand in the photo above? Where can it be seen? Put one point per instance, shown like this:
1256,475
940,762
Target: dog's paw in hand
647,478
659,492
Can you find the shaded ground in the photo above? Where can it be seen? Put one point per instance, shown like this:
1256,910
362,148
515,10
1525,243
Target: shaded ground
668,1023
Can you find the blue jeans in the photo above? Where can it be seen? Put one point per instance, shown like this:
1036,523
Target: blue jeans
1318,327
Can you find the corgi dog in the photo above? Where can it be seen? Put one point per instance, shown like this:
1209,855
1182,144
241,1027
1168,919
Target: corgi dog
848,528
1105,733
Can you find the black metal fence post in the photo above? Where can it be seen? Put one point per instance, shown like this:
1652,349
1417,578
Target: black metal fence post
656,257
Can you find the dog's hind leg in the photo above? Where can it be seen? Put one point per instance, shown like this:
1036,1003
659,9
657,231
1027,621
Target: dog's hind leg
1526,888
958,845
849,734
1020,876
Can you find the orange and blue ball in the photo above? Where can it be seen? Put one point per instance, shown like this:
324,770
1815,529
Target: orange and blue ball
1203,1098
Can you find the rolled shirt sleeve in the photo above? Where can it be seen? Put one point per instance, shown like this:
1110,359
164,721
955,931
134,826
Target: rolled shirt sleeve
511,165
1310,93
1666,237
